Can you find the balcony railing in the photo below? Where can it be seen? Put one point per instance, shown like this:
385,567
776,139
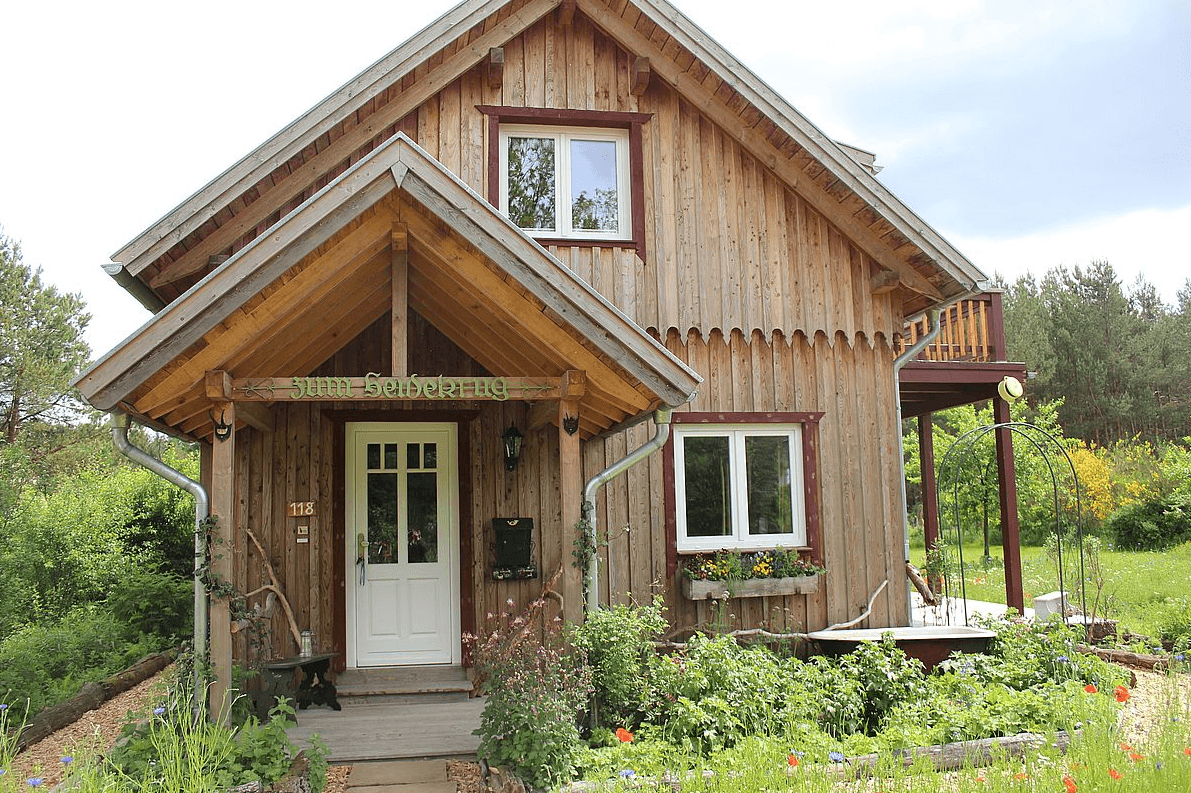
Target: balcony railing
972,331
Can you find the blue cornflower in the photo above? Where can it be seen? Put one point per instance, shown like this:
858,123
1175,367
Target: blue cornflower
3,771
1178,656
628,773
836,757
34,781
1158,765
158,711
1062,659
797,753
67,760
3,706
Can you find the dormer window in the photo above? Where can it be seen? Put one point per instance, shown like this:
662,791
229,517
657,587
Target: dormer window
569,177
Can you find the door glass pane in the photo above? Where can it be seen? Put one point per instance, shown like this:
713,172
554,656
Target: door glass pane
382,518
391,455
413,455
531,182
594,201
423,517
373,456
431,456
770,507
708,486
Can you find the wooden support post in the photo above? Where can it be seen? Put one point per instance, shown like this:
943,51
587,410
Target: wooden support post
496,67
223,509
1010,533
930,495
570,477
400,308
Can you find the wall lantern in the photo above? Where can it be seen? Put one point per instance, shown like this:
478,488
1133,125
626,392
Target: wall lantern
1010,389
512,443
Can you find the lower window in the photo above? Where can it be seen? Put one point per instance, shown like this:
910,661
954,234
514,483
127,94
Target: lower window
739,486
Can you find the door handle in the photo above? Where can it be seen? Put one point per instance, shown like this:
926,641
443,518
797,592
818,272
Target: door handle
361,559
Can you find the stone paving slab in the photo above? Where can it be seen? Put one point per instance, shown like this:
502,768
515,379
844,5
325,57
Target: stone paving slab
398,772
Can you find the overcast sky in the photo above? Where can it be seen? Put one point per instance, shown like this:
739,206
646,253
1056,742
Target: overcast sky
1030,133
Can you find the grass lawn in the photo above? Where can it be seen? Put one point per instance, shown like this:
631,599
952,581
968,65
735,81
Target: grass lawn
1137,584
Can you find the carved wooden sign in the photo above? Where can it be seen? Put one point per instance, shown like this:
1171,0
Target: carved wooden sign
374,386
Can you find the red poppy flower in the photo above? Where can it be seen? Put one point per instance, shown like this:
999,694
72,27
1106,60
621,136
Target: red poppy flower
1090,688
1069,783
1021,775
1125,747
792,760
1134,756
979,778
1115,774
624,735
1122,693
1187,750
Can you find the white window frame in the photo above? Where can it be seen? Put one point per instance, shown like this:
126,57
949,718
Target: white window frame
562,137
741,539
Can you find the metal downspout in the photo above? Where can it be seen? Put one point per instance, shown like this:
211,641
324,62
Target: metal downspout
902,360
661,417
202,510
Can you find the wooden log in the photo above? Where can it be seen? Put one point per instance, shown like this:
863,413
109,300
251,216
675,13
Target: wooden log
296,779
54,718
1142,660
964,754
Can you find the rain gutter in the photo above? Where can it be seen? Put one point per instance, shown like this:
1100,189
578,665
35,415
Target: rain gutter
661,418
202,510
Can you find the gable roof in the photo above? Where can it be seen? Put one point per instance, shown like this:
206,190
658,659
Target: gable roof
246,198
470,268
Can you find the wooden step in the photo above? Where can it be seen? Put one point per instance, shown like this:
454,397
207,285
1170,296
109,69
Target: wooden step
403,684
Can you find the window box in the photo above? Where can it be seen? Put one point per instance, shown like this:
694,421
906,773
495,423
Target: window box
750,587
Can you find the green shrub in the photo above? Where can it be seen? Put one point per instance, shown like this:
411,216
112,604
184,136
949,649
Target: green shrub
153,602
886,677
537,688
1173,619
618,643
1153,525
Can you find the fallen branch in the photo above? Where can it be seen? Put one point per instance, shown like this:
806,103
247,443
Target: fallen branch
1142,660
965,754
867,611
928,597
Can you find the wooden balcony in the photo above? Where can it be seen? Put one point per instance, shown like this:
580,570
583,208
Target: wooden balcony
964,364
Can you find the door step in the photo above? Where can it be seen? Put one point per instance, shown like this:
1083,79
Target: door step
403,684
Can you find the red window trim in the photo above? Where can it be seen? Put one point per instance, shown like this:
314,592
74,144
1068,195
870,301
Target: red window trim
810,473
549,116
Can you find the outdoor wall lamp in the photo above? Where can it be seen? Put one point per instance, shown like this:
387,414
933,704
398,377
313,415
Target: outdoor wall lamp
1010,389
512,443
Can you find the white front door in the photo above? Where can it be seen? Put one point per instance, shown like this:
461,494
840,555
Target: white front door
402,544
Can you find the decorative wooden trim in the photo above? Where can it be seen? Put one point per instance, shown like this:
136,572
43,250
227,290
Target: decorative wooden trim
810,473
566,13
884,282
640,76
399,308
551,116
750,588
496,67
374,386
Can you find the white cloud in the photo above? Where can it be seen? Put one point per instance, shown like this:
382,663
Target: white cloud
1135,243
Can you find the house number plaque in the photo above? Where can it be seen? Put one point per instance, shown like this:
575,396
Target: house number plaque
301,509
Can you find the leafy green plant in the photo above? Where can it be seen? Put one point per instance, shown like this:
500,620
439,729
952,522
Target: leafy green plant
154,602
1152,525
537,688
886,676
618,643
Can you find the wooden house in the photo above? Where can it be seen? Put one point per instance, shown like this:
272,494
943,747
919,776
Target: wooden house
351,318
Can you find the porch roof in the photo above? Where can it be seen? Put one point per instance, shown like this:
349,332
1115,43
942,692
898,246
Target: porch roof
285,303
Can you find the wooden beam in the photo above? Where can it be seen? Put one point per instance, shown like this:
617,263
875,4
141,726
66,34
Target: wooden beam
570,480
274,154
930,495
640,77
566,13
399,316
756,143
256,416
496,67
541,414
223,510
884,282
218,385
1010,530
